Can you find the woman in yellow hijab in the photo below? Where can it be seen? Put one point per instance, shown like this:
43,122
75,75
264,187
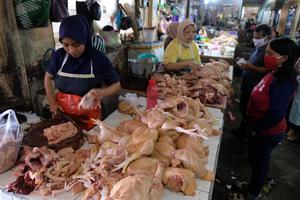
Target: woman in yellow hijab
183,52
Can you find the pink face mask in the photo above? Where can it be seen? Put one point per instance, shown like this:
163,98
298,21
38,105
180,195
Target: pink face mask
270,62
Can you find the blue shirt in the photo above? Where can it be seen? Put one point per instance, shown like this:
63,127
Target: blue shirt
250,77
102,67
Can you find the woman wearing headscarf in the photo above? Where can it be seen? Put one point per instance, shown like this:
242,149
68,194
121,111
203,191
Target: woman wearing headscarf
171,33
183,52
267,108
78,69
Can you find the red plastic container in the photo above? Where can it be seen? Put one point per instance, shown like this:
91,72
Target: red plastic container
152,94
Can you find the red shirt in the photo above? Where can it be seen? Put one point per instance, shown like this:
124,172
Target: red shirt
261,113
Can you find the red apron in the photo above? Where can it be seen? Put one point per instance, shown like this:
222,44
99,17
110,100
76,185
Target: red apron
83,118
71,89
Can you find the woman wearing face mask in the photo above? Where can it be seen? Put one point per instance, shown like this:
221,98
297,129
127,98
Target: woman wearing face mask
267,109
78,69
253,72
183,52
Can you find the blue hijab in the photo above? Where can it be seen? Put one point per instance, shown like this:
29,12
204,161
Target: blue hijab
77,28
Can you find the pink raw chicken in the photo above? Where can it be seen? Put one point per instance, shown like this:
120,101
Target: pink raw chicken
179,179
89,101
139,187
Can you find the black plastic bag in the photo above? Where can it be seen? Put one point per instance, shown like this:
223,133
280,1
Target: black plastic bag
58,10
126,23
95,11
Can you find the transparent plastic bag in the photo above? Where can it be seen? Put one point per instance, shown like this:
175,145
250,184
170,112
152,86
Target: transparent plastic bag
10,139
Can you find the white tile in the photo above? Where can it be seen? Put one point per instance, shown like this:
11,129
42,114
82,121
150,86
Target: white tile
116,118
203,185
213,150
218,124
216,113
6,196
213,140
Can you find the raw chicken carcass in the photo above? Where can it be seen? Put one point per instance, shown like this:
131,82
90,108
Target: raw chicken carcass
143,165
179,179
210,71
208,82
89,101
195,144
152,118
163,149
176,105
141,144
108,133
205,126
40,158
193,162
139,187
131,125
174,135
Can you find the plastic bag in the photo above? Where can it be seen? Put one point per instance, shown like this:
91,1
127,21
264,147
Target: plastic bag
32,13
88,102
10,139
95,11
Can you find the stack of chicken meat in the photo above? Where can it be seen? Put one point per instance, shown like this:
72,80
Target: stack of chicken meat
210,83
157,148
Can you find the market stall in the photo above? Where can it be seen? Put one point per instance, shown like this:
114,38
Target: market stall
221,45
203,189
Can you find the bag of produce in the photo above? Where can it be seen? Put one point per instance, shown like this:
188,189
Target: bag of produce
10,139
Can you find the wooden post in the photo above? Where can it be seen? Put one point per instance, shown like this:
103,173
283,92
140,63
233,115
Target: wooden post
150,11
283,18
296,19
11,49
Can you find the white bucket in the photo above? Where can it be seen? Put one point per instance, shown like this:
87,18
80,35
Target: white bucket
141,67
149,34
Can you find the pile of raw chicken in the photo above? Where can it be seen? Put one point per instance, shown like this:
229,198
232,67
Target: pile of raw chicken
209,83
157,148
225,39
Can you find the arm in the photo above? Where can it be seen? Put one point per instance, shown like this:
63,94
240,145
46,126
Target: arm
171,56
100,93
279,95
180,65
254,68
48,84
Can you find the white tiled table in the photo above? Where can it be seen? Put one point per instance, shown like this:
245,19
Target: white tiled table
204,188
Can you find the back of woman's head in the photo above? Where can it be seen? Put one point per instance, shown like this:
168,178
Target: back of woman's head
172,29
286,47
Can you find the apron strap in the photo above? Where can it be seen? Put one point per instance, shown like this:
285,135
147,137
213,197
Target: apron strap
190,48
64,74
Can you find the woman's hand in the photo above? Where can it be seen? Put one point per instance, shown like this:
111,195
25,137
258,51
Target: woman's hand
55,109
193,65
98,94
246,66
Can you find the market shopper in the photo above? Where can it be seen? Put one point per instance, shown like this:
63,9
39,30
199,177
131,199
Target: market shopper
294,116
253,72
171,33
183,52
78,69
267,108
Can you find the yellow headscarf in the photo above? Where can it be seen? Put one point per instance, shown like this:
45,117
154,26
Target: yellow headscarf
180,34
172,29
